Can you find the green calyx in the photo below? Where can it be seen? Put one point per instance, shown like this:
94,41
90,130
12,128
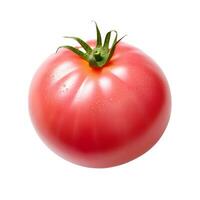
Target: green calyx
101,54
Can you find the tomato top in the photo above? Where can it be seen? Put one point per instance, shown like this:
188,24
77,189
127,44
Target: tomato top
101,54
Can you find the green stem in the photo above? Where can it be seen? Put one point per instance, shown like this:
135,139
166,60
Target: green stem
98,56
101,54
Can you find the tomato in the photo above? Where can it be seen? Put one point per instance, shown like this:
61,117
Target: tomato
100,116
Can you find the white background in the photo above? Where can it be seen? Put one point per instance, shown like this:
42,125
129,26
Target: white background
169,31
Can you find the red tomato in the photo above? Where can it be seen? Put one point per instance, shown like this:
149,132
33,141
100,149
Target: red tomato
100,117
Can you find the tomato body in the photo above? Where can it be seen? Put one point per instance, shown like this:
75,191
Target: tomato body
100,117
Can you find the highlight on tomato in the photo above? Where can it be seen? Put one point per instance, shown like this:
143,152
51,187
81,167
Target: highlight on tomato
99,104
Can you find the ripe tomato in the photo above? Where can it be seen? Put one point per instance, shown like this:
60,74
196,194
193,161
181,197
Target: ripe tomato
100,116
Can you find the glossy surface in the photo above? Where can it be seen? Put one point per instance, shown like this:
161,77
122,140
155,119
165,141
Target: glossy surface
100,117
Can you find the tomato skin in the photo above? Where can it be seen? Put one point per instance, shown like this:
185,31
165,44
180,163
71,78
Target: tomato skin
100,117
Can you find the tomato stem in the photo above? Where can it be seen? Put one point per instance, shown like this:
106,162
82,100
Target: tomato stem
101,54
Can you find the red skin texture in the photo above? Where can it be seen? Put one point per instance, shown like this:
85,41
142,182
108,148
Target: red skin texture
100,117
